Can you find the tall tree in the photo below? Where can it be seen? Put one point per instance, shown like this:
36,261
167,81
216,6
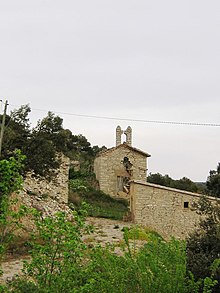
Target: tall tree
17,131
42,143
203,246
213,182
159,179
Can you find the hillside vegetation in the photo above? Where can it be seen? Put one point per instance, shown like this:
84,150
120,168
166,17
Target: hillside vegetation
41,143
83,187
61,261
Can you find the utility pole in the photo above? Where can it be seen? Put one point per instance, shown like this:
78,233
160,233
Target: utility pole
3,126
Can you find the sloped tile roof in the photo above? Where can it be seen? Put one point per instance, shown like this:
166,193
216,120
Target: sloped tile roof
123,145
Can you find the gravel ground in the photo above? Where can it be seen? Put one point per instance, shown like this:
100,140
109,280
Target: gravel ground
105,231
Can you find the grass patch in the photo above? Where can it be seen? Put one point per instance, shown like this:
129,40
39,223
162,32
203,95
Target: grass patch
89,239
141,233
100,204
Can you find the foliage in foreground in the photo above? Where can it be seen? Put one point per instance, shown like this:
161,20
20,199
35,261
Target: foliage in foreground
10,181
61,262
203,246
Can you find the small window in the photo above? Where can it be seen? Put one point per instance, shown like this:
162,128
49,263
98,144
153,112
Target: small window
186,204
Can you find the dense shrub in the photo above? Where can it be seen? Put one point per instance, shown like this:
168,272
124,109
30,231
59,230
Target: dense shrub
203,246
61,262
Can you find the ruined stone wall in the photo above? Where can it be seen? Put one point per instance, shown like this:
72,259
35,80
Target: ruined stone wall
109,166
168,211
57,188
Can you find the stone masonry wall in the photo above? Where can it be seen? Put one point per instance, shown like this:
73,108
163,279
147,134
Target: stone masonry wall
109,166
166,210
57,188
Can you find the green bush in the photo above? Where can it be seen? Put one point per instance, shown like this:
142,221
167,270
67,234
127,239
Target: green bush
57,252
203,246
10,181
141,233
61,262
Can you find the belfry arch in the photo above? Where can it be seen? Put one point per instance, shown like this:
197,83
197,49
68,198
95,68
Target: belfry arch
128,134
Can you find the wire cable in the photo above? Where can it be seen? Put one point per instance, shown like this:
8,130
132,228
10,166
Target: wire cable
132,120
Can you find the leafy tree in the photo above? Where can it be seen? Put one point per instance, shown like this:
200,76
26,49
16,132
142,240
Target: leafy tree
50,124
20,116
96,149
213,182
41,156
203,246
159,179
82,151
42,143
183,183
17,131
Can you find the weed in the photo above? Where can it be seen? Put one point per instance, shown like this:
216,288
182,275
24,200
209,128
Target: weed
100,204
141,233
63,263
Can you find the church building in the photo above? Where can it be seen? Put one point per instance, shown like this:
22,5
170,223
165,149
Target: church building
115,167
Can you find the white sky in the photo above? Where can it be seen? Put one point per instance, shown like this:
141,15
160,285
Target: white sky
137,59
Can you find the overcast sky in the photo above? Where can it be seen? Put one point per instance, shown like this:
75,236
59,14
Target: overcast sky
137,59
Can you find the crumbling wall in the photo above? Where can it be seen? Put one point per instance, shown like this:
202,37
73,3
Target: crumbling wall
56,188
116,164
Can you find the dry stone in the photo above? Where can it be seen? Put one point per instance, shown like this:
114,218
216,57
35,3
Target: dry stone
56,188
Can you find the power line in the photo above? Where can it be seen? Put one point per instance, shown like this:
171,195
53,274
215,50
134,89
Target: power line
133,120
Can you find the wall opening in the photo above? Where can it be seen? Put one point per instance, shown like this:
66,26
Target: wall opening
128,166
186,204
123,184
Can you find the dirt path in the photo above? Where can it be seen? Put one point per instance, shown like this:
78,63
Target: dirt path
12,268
105,231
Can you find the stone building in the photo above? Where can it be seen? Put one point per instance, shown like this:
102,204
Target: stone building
121,172
115,167
169,211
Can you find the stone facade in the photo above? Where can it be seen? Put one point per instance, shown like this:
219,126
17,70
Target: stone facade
166,210
122,172
57,188
115,167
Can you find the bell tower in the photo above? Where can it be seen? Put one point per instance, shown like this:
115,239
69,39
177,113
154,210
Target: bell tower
128,134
